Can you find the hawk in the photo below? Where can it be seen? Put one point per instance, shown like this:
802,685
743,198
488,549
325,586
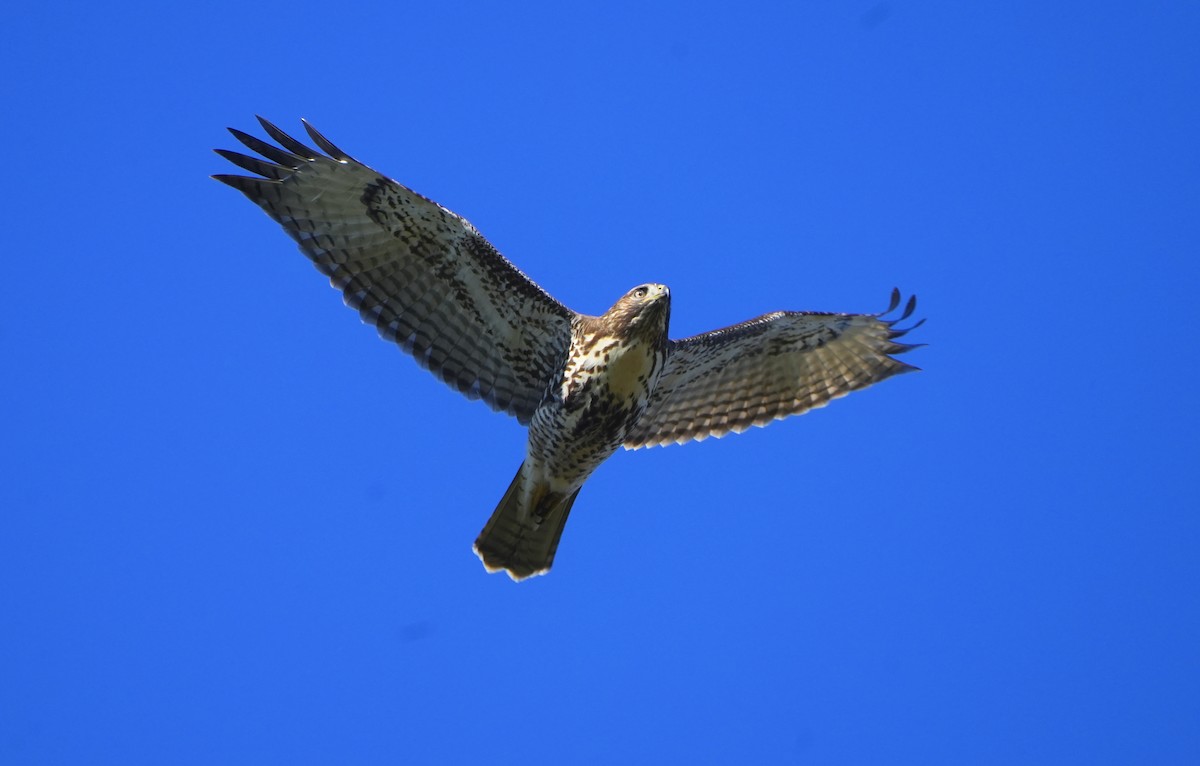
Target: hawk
584,385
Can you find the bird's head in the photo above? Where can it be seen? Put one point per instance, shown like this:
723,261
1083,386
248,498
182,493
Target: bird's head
645,311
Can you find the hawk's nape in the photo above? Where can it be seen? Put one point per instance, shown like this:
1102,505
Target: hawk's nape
423,276
768,368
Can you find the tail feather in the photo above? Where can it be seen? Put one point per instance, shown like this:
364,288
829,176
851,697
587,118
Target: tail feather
522,540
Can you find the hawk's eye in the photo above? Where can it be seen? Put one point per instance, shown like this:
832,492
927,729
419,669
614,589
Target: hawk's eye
640,292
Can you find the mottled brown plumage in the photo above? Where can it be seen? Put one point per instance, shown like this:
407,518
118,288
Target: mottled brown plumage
430,282
612,366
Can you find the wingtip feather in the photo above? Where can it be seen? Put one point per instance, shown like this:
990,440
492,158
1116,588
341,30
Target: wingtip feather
286,141
254,164
894,302
324,143
272,153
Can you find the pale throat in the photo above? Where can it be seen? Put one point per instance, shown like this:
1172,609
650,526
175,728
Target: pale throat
624,370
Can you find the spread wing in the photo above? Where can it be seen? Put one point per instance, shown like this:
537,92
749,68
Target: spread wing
425,277
765,369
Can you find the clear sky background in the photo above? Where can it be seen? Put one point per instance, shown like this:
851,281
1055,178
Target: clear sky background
235,526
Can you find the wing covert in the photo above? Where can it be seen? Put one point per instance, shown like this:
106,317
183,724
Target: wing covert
422,275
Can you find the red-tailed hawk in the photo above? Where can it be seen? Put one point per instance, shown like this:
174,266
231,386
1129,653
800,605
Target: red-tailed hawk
585,385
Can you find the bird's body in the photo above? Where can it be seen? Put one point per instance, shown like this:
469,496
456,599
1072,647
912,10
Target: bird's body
585,385
609,372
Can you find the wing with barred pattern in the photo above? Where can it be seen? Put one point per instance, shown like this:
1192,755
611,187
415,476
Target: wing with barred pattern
765,369
423,276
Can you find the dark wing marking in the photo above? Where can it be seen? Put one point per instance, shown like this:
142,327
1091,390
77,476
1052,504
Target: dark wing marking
425,277
765,369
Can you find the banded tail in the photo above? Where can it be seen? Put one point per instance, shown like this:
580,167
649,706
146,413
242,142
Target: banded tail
522,540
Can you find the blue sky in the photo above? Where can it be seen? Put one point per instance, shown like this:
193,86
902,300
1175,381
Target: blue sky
235,526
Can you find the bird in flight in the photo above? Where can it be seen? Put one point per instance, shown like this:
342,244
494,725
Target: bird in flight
584,385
